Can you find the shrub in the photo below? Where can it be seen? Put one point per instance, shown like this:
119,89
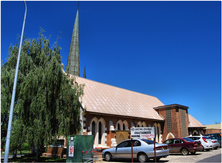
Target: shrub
26,146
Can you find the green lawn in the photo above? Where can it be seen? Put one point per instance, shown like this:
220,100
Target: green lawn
32,159
18,152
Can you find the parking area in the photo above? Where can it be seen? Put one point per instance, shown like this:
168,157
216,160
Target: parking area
198,157
203,156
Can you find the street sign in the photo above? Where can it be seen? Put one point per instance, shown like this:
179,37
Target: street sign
142,132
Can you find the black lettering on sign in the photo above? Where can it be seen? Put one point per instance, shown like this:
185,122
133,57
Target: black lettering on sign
135,135
147,132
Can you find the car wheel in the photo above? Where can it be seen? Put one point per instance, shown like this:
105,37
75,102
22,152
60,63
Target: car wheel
207,149
185,151
203,148
108,156
193,153
142,157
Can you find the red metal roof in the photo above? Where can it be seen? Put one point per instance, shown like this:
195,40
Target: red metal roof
107,99
193,122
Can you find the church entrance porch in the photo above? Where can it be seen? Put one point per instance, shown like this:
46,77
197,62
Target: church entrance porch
121,136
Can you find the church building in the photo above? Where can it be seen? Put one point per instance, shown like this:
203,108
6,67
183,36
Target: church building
109,112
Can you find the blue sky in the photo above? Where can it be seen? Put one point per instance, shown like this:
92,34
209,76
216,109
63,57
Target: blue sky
170,50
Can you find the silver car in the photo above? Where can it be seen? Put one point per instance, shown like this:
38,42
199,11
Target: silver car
214,142
143,150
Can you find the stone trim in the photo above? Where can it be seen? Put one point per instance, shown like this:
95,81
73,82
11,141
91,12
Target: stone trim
169,134
111,126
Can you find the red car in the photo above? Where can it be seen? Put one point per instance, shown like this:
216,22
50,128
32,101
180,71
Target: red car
183,145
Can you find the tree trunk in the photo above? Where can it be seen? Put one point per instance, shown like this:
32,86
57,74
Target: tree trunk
39,152
15,153
37,155
32,149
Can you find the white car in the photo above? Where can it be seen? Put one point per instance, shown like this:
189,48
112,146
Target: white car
214,142
143,150
205,141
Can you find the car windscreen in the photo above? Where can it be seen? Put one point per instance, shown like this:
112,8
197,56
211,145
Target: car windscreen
188,139
148,141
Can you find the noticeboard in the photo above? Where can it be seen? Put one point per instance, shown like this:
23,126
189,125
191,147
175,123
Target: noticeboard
142,132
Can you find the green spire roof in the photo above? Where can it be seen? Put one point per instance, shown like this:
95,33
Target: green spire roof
73,60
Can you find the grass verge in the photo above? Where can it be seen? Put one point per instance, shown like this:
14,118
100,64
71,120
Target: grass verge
32,159
18,152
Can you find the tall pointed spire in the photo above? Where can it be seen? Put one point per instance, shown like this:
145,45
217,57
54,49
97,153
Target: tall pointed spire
73,60
84,74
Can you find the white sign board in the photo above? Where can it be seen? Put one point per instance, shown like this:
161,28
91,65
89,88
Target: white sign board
71,151
142,132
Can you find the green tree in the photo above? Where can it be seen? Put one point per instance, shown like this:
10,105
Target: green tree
17,138
47,99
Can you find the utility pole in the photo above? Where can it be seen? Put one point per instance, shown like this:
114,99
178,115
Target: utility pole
13,93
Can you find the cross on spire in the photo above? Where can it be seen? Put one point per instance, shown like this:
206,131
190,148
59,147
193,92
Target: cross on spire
78,5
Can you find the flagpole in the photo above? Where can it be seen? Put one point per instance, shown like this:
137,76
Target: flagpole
13,93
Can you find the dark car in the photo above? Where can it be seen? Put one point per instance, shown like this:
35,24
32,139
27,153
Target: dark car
183,145
215,136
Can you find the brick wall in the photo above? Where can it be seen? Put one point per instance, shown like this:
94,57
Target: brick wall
114,118
178,126
210,131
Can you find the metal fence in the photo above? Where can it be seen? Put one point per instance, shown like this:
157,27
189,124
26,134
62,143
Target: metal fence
92,155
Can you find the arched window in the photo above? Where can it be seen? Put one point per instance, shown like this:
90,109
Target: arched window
144,124
118,128
93,129
125,125
170,135
157,134
195,132
100,132
139,124
119,125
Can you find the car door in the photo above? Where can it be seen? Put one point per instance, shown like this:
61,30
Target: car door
136,148
170,144
123,149
177,145
126,152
